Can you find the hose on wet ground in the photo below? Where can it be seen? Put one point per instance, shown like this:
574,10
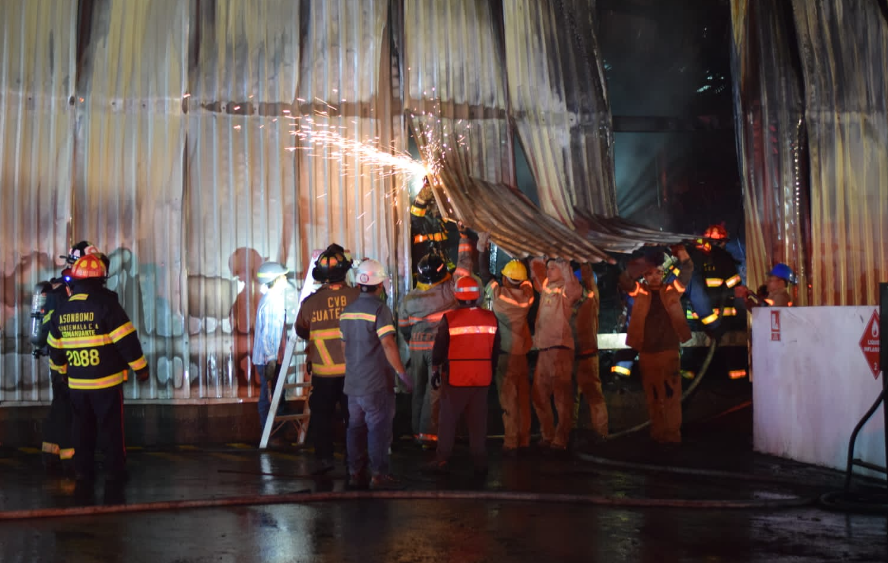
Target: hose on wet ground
493,496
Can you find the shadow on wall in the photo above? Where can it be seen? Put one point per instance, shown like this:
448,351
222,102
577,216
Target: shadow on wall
244,264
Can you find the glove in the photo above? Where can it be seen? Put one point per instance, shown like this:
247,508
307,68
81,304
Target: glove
436,380
483,241
405,379
676,248
142,374
741,292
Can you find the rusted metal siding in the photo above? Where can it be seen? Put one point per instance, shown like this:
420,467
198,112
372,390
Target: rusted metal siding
559,104
813,143
455,89
37,72
844,55
769,114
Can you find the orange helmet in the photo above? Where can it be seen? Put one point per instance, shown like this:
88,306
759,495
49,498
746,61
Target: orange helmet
715,232
467,289
89,266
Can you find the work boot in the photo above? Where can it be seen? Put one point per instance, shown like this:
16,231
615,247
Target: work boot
385,482
323,466
359,481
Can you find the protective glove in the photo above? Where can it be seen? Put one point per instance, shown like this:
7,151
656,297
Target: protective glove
405,379
741,292
143,374
436,379
677,249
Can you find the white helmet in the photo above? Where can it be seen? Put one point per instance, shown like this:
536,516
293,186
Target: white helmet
370,272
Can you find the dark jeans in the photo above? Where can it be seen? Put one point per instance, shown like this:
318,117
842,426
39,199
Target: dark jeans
370,428
267,377
326,393
98,411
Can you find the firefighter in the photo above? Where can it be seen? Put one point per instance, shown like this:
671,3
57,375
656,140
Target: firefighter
559,291
585,322
780,278
318,323
58,443
271,320
429,231
510,300
467,346
94,344
656,330
371,352
419,315
710,290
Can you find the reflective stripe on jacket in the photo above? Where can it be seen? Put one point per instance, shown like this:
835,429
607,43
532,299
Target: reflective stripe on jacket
92,340
472,334
318,323
670,295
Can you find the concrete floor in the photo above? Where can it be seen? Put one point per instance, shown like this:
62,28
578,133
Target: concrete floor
465,529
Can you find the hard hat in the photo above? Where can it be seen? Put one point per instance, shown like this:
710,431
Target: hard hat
270,271
331,266
431,269
88,267
467,289
370,272
515,270
715,232
79,250
783,272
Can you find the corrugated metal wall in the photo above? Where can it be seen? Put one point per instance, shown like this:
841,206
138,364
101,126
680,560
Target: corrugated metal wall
159,130
559,103
769,116
38,46
844,52
810,100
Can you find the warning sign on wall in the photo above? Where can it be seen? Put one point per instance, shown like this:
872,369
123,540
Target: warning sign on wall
869,343
775,326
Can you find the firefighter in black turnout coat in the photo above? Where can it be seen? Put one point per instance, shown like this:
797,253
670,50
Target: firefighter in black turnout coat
93,343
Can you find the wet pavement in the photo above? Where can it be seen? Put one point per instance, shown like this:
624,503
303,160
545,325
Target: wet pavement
537,507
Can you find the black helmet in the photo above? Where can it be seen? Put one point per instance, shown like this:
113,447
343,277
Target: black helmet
432,269
332,265
78,251
270,271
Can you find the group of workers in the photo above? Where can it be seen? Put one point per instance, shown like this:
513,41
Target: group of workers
464,329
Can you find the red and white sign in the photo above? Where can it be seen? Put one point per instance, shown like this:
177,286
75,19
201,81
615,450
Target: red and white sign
869,343
775,326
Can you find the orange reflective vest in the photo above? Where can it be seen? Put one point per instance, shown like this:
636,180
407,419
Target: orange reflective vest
472,333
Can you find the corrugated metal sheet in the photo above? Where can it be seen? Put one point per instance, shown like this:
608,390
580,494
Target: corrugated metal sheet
455,87
844,55
37,72
812,125
559,104
770,126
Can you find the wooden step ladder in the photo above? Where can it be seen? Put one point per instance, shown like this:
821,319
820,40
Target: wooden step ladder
300,421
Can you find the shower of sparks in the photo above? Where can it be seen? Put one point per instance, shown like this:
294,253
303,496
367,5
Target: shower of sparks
320,138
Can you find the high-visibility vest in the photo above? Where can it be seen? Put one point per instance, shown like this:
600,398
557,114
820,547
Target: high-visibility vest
472,333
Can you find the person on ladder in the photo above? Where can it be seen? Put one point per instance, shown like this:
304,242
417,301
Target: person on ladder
318,323
270,324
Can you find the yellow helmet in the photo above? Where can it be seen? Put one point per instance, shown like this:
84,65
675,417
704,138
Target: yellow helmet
515,270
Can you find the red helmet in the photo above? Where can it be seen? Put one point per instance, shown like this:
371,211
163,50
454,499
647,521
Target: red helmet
89,266
715,232
468,289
